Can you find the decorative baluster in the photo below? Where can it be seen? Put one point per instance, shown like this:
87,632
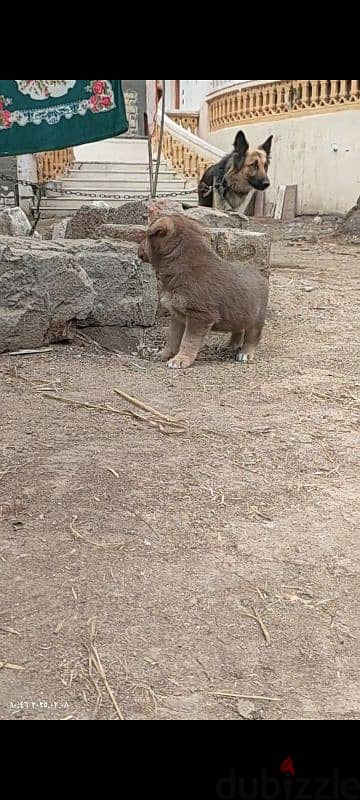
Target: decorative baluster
355,90
297,93
343,92
315,87
192,166
187,162
274,100
334,92
197,167
324,93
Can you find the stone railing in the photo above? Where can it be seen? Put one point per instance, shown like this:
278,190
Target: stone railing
54,163
185,152
189,120
265,100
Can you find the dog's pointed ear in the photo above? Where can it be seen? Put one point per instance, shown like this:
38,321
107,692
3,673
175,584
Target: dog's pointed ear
267,146
160,227
241,144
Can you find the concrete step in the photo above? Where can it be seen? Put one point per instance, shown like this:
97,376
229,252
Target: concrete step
116,150
117,175
111,186
66,207
140,166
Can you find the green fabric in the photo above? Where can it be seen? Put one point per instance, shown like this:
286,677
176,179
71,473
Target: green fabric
36,116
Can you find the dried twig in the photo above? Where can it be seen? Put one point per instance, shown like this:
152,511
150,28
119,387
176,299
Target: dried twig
6,629
263,627
101,545
234,696
255,512
31,352
82,404
14,667
179,427
151,694
113,472
257,619
94,660
139,404
85,338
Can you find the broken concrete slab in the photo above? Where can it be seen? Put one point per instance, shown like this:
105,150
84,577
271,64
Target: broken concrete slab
89,218
60,228
125,288
210,218
122,233
231,244
43,292
243,246
46,288
14,222
163,207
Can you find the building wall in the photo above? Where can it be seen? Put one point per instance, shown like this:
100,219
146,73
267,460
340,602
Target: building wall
192,93
320,153
135,102
8,178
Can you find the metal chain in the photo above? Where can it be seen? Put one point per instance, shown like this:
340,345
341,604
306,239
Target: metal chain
70,192
8,180
57,187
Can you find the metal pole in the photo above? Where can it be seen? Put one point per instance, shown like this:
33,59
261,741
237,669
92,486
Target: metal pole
158,161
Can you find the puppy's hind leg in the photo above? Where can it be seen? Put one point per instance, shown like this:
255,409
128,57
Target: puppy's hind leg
252,338
237,341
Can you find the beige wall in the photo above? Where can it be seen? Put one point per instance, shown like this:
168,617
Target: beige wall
304,154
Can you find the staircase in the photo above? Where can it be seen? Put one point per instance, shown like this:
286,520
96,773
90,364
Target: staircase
113,172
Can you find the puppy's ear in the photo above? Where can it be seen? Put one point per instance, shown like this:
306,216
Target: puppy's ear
160,227
267,146
241,144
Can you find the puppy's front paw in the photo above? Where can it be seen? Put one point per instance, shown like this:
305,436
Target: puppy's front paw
180,362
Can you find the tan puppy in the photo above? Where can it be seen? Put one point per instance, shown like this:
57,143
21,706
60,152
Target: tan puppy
202,292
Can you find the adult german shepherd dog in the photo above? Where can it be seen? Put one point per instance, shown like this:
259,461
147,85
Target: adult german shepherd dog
224,186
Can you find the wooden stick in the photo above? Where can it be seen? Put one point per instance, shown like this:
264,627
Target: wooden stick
95,658
243,696
179,426
30,352
257,619
145,407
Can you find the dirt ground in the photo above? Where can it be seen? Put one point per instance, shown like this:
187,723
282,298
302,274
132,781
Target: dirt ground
208,570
